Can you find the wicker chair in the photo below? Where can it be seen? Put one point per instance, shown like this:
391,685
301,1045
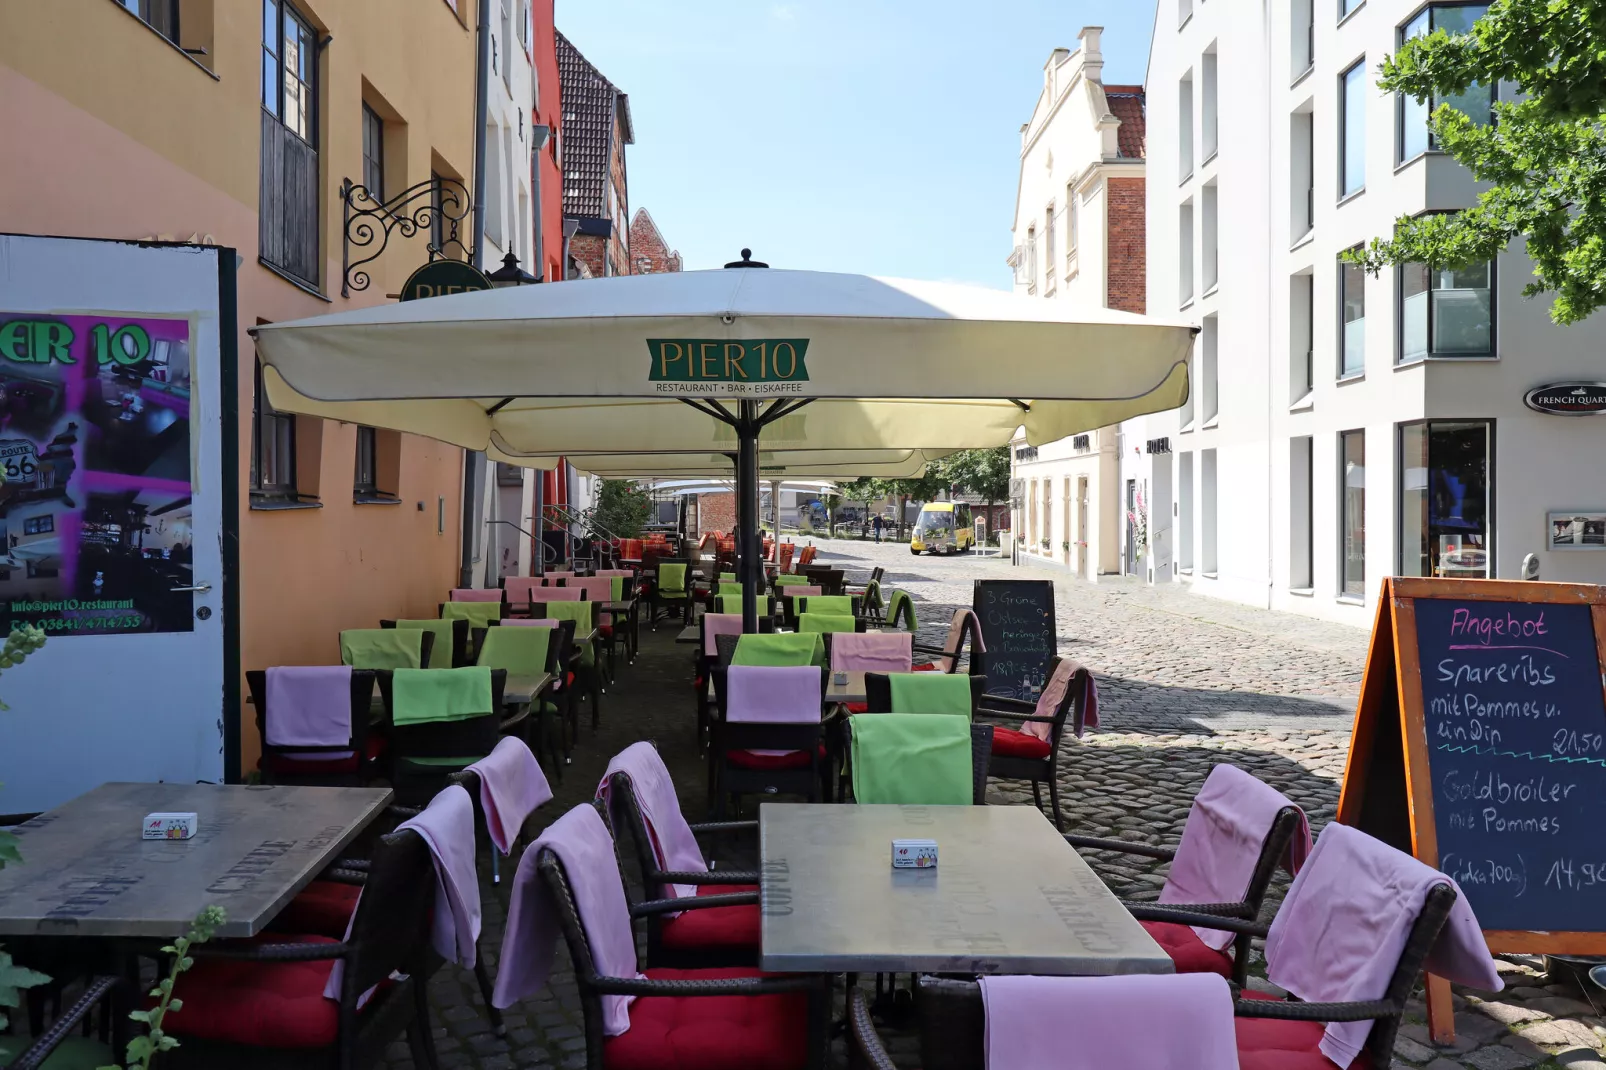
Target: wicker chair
445,746
659,599
668,998
981,748
736,769
953,1025
1180,941
57,1045
242,999
969,638
695,939
1019,755
878,693
350,765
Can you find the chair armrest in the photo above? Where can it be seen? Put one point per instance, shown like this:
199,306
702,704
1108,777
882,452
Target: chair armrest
866,1040
1241,926
342,875
701,902
1215,910
402,811
273,952
351,863
736,986
1004,700
722,876
39,1052
725,826
1096,843
1023,718
1314,1012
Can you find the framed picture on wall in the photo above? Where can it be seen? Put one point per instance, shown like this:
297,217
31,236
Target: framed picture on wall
1577,529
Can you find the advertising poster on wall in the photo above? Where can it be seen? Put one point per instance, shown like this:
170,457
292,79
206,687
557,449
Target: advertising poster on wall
95,509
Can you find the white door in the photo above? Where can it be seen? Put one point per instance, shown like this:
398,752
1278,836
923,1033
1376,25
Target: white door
114,363
1161,521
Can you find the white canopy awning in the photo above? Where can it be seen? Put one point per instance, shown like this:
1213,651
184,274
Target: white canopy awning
787,464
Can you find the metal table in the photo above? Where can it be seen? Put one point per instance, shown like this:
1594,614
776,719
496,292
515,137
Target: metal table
1008,895
87,873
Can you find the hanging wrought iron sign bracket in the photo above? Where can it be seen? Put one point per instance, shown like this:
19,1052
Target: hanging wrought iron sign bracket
436,207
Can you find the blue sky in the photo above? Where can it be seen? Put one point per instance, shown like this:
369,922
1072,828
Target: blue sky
878,136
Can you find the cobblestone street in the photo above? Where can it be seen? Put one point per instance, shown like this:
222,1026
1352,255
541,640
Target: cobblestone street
1185,682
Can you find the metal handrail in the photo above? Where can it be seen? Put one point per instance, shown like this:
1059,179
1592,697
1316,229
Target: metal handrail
548,556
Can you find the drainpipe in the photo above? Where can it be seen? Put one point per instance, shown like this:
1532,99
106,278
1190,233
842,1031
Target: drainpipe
474,461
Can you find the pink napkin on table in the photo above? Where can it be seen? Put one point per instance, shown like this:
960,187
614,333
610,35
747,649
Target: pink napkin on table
1087,707
447,827
716,625
1221,842
582,844
1338,935
308,706
512,786
476,594
868,652
674,844
1147,1022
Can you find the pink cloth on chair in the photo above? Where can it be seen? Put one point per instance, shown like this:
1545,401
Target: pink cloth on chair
527,622
512,786
1087,709
956,634
772,694
557,594
674,844
801,590
582,844
1221,842
1161,1022
1338,935
519,589
476,594
308,706
716,625
868,652
554,577
599,589
612,572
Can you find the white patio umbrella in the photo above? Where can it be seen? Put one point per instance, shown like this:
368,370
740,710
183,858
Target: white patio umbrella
704,361
772,464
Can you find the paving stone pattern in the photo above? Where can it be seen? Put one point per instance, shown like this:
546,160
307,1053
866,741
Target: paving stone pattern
1185,682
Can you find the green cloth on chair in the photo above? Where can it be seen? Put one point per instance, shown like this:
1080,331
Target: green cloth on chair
584,615
826,622
730,587
930,692
781,648
73,1053
440,654
899,604
786,579
419,696
381,648
616,589
671,580
478,614
911,760
826,603
521,651
732,603
727,577
872,595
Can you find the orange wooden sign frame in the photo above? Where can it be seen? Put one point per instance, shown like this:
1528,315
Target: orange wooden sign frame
1391,696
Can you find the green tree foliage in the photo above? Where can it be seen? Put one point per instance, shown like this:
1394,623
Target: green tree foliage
1544,155
984,473
623,506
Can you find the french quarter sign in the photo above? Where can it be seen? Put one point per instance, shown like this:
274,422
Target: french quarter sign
1568,399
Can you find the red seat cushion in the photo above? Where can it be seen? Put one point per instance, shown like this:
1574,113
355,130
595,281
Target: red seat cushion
792,759
1269,1044
1013,743
568,680
323,907
715,927
261,1004
1187,952
712,1032
927,666
857,707
605,630
373,748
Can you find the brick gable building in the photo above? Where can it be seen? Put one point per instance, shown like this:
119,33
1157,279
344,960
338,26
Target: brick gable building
650,254
596,129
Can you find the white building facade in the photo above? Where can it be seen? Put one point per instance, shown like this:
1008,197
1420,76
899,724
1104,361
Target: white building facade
1341,428
1078,236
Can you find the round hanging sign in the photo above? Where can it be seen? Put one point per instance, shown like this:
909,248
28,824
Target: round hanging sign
440,277
1568,399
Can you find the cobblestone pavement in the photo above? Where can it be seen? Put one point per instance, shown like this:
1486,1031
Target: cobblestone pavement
1185,682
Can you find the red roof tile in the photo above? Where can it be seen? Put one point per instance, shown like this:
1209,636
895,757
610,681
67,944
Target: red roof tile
1126,104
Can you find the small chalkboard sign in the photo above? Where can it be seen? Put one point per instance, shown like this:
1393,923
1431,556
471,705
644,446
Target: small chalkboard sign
1017,627
1480,747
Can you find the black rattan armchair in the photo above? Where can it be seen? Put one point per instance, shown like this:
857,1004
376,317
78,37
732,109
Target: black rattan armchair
1272,850
813,989
1018,755
969,639
878,692
953,1025
446,746
350,765
658,598
100,992
736,769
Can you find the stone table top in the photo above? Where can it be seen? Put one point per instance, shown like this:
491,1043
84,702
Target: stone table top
1008,895
87,872
522,688
851,690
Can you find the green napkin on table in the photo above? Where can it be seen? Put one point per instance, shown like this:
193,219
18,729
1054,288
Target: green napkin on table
826,622
521,651
826,603
478,614
911,759
930,692
781,648
381,648
440,654
419,696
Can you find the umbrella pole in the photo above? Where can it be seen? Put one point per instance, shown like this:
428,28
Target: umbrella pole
749,568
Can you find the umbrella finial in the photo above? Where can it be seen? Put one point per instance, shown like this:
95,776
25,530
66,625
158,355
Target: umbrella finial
747,261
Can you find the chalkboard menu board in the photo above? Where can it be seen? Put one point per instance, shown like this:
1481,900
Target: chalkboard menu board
1516,735
1480,746
1017,626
